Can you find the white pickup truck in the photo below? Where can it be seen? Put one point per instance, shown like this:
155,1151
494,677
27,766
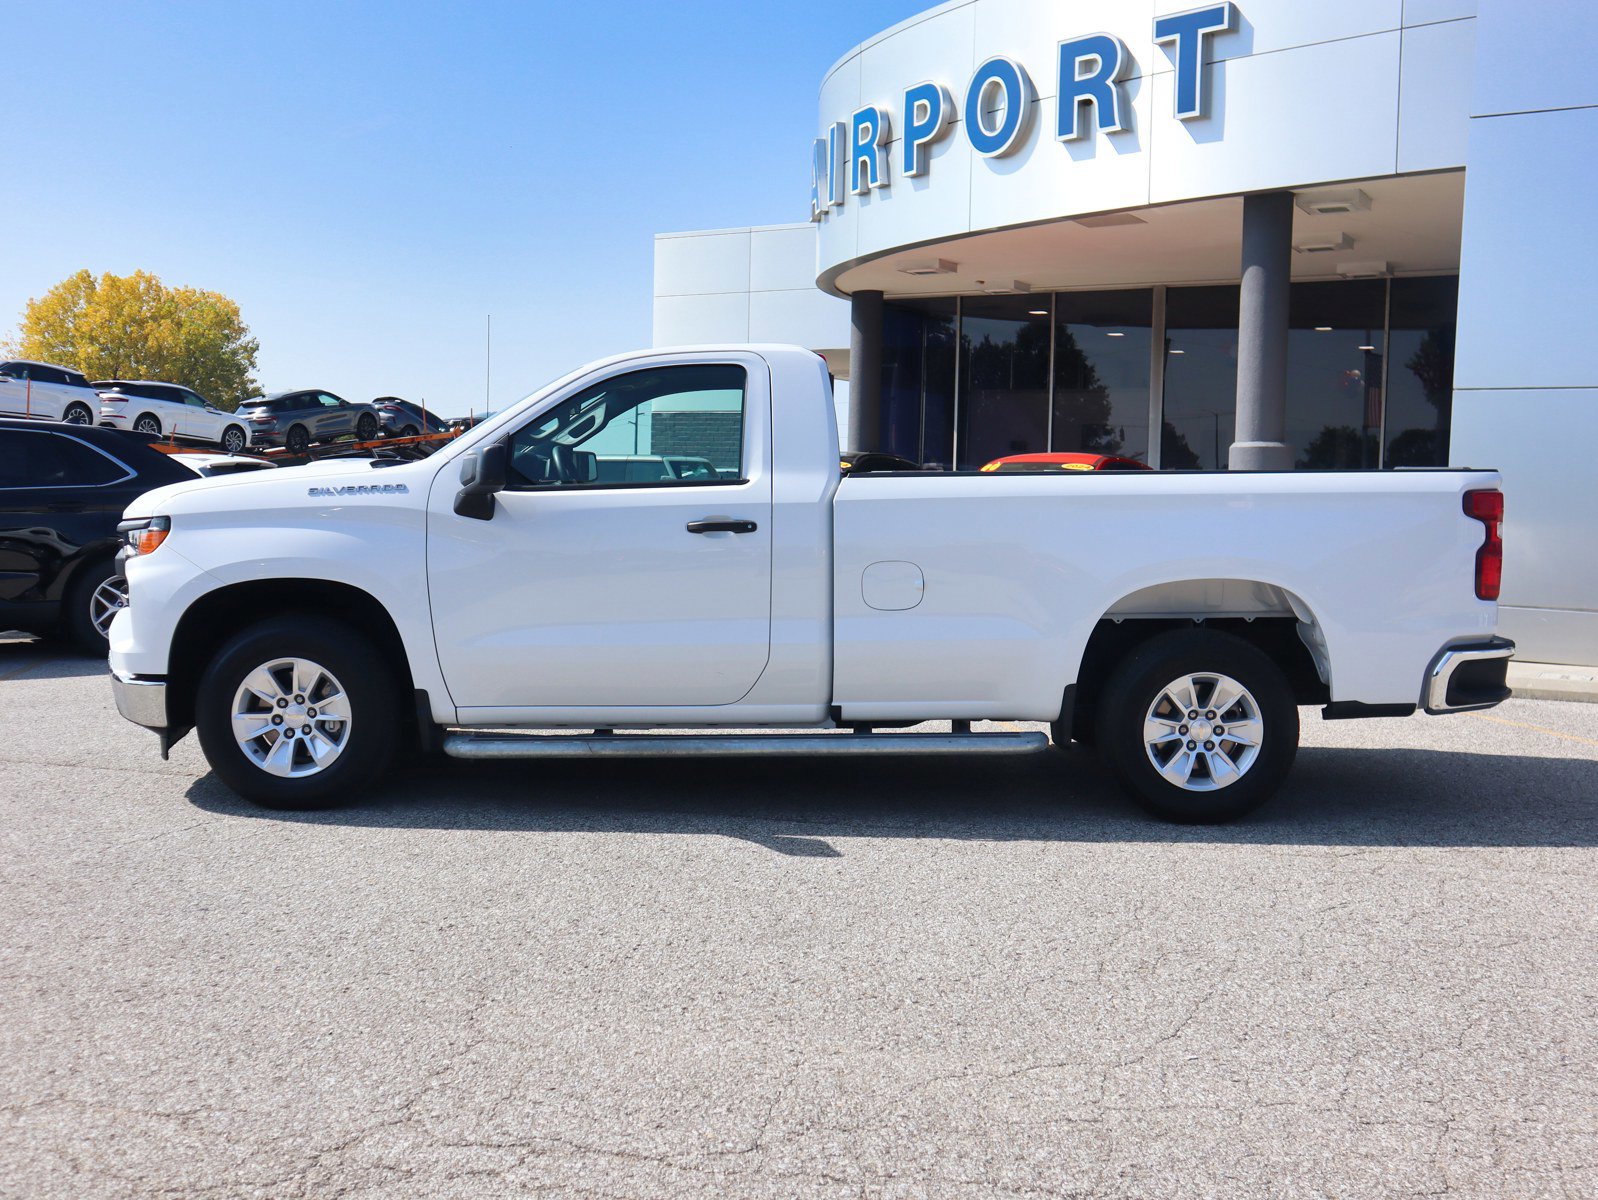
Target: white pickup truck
501,600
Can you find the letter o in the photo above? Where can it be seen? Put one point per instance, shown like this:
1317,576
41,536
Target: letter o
1006,78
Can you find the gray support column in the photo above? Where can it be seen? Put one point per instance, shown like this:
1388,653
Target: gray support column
865,371
1262,335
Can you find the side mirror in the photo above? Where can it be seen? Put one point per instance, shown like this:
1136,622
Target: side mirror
482,475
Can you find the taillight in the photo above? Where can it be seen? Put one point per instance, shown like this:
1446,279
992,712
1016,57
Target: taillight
1487,506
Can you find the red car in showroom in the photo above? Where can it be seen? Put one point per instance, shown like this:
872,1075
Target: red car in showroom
1018,464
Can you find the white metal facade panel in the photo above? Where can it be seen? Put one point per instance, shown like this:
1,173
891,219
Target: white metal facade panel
1309,115
1536,54
1527,289
1434,106
1550,546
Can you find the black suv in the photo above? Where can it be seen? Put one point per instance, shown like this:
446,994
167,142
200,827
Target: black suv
62,491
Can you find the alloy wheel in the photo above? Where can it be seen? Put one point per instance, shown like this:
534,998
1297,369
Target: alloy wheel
1203,732
110,598
291,718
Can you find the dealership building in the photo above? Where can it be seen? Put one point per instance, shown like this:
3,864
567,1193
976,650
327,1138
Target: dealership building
1261,234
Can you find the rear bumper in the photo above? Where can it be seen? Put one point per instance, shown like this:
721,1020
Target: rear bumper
1468,676
142,701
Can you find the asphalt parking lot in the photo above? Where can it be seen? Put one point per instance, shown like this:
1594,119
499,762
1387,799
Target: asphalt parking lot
969,978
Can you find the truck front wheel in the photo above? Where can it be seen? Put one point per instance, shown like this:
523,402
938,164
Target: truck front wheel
1199,726
296,712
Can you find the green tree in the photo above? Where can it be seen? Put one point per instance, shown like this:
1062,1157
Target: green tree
135,327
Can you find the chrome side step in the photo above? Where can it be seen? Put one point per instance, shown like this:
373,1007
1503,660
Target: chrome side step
734,745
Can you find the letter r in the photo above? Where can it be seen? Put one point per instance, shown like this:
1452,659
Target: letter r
1100,87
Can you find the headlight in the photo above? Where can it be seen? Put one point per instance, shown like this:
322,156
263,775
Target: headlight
143,537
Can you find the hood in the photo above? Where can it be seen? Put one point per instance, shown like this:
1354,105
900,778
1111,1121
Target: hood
285,485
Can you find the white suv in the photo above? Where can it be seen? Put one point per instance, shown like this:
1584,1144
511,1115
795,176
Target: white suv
46,392
168,409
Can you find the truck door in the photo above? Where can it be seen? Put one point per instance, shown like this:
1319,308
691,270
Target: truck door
585,593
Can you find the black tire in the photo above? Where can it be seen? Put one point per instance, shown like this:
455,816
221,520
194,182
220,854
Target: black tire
234,439
410,431
297,440
1139,682
78,414
373,707
365,427
77,611
146,423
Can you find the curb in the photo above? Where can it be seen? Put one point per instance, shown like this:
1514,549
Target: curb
1551,681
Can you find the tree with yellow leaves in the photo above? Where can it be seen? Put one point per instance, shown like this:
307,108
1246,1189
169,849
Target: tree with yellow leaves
135,327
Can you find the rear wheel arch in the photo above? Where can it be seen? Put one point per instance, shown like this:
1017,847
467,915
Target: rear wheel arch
144,418
1269,617
215,618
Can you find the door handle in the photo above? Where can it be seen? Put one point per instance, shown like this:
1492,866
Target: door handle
721,525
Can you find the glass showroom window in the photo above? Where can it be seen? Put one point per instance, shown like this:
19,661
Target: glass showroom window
1335,350
918,354
1101,372
1004,378
1200,378
1420,371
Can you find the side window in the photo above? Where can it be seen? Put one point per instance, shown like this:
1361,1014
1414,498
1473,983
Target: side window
40,460
75,379
192,400
636,429
13,371
328,401
47,375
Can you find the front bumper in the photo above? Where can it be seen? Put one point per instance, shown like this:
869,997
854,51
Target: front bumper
142,701
1468,676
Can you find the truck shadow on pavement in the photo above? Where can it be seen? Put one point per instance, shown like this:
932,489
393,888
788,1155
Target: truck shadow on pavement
804,807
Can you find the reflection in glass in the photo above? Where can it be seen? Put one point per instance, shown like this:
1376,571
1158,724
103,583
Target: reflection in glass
1334,373
1200,378
1420,377
918,380
1101,373
1004,378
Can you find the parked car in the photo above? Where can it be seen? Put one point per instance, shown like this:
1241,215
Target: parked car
470,421
63,490
211,465
404,418
1032,464
46,392
861,462
297,419
312,623
169,410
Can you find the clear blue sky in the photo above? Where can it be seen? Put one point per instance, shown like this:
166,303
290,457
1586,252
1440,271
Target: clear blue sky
369,180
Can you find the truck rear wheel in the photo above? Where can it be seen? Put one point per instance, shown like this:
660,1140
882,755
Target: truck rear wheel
1198,726
297,712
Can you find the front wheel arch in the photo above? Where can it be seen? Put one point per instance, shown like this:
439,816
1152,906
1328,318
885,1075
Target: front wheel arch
215,616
